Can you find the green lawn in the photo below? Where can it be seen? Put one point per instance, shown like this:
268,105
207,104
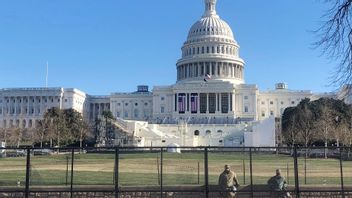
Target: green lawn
178,169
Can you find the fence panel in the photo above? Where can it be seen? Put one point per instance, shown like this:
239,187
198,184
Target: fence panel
237,158
13,168
94,167
347,168
315,170
183,167
265,162
139,167
50,167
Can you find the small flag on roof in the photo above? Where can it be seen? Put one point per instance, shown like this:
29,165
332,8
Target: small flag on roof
207,77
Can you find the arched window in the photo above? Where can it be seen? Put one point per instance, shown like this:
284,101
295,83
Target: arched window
207,132
219,131
196,132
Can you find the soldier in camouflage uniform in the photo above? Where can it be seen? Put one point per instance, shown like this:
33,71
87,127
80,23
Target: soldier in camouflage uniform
228,183
278,185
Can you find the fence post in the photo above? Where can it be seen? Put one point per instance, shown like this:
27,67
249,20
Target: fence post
341,174
161,172
296,172
72,157
288,173
251,170
28,165
117,150
244,171
198,174
67,170
206,176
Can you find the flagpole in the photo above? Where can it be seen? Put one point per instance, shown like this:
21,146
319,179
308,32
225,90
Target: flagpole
47,73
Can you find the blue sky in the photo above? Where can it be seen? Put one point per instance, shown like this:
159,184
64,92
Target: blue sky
104,46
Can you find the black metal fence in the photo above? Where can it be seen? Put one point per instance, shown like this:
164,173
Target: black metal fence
164,171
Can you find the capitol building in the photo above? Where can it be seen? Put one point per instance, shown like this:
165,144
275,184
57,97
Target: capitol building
210,103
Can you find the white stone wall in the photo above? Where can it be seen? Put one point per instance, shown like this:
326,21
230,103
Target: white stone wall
273,103
132,106
23,107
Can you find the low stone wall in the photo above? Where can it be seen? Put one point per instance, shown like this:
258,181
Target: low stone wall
173,192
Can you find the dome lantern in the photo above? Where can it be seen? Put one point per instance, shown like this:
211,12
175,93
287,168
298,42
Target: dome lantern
209,8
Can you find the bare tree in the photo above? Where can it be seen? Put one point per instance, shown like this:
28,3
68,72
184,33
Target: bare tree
335,39
324,125
15,136
41,131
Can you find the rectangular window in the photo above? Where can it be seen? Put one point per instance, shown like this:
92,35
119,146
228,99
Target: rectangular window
212,102
203,103
194,102
162,109
246,97
224,103
202,69
271,113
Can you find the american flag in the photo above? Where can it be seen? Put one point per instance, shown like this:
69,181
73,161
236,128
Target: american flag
207,77
181,103
194,103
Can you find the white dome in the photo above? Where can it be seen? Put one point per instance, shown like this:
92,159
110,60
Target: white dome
210,25
210,50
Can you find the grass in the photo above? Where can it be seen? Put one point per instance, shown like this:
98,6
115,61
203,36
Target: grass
141,169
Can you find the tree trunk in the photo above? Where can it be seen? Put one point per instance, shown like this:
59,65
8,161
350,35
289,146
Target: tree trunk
41,141
326,149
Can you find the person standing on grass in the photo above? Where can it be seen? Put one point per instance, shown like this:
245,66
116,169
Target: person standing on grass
228,183
277,185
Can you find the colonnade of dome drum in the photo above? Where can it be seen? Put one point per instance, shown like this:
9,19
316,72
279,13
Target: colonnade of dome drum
215,69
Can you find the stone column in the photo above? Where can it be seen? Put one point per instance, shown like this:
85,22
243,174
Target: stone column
229,101
14,105
198,104
215,69
220,103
